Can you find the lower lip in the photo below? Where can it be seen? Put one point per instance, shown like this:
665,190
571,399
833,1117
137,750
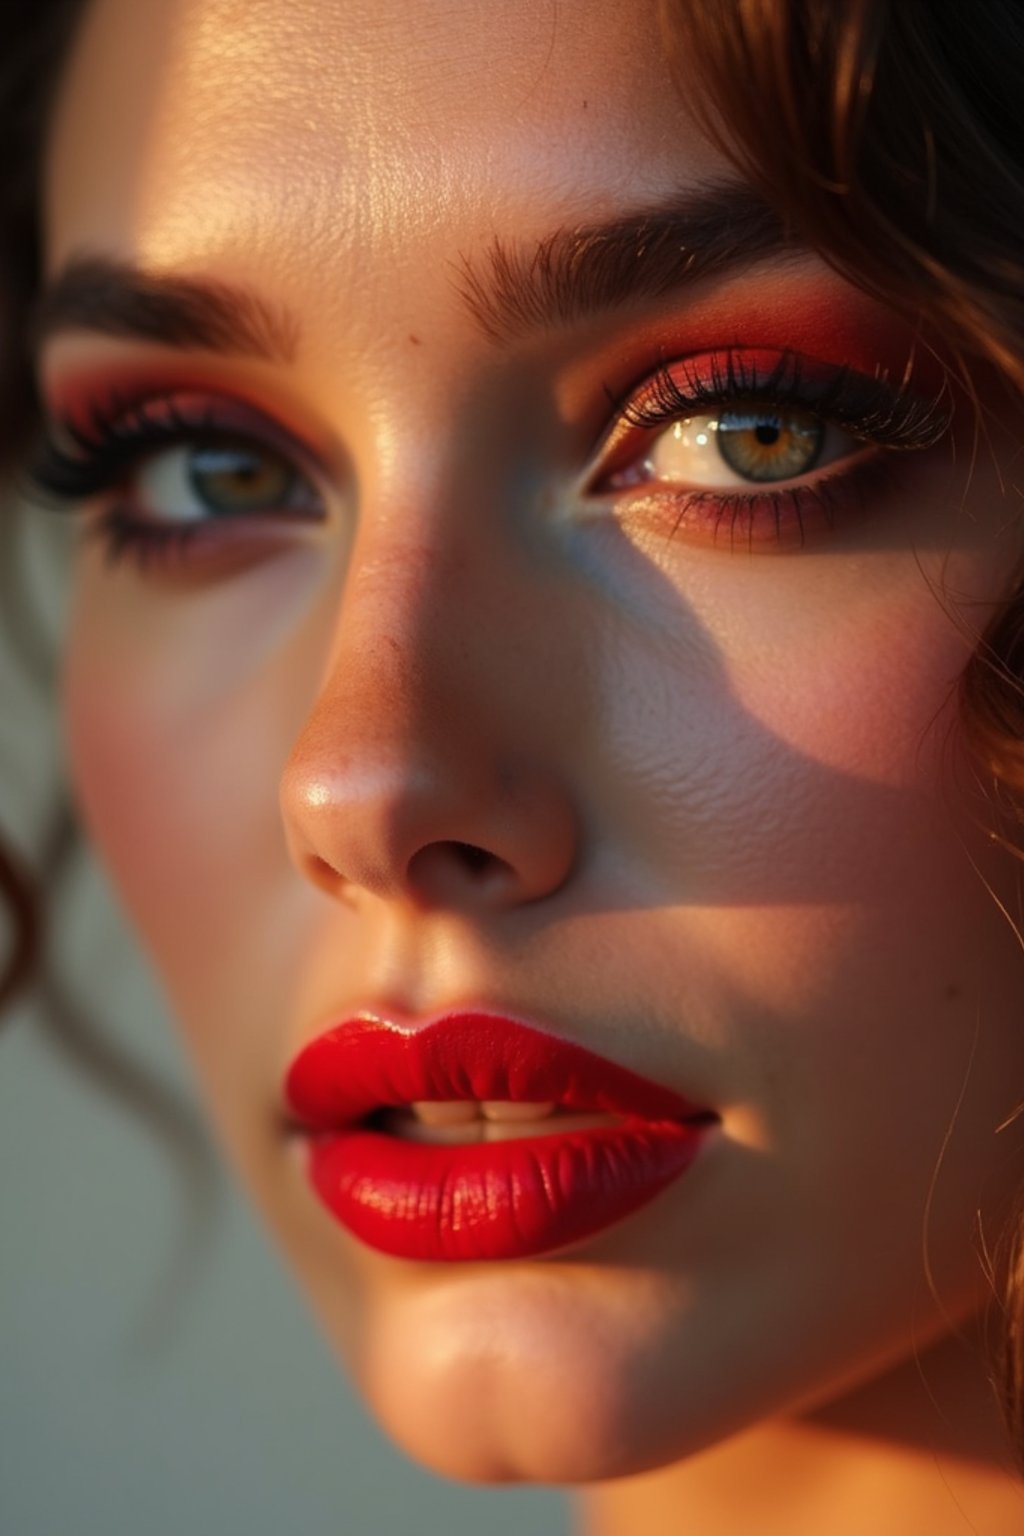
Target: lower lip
510,1199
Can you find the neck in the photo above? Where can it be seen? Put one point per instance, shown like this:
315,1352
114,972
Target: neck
919,1449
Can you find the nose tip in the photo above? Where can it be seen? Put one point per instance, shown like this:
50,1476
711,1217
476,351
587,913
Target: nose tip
460,832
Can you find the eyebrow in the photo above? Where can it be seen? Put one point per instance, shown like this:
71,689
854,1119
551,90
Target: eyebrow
585,270
115,298
570,275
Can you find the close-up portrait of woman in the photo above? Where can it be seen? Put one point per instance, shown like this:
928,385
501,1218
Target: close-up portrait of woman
541,669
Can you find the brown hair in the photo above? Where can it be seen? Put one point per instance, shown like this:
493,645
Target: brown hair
34,45
887,135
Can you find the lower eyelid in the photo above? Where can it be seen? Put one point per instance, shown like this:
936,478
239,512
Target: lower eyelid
186,553
770,519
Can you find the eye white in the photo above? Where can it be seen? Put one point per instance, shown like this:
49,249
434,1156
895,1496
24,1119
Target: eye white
687,453
199,482
163,488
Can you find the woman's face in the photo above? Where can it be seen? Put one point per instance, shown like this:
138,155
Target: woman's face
474,682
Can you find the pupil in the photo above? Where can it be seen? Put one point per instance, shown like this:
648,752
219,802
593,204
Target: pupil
232,477
766,444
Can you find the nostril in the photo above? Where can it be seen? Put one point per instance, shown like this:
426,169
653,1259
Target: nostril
440,871
452,873
388,830
474,858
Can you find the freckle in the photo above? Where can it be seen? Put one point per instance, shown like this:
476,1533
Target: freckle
415,340
952,992
586,104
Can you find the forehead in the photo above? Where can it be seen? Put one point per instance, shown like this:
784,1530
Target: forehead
246,132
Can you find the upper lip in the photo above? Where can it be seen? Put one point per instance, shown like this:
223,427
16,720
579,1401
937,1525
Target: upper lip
367,1063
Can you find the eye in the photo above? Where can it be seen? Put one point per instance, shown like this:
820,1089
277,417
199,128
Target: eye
229,477
738,446
758,449
174,480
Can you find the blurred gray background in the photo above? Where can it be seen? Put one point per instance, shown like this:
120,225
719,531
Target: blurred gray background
137,1397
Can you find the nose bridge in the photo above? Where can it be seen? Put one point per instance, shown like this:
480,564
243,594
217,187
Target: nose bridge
416,773
422,671
401,646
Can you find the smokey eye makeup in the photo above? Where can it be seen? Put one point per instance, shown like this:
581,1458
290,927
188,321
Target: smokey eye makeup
761,449
174,476
741,448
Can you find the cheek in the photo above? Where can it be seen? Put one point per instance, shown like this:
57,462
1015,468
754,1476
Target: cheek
788,759
177,729
777,739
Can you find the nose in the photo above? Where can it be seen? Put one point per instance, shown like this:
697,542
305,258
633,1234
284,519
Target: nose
427,771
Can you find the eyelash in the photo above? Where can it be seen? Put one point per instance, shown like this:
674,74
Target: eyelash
119,437
868,408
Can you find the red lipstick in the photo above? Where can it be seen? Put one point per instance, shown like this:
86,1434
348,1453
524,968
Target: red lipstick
504,1199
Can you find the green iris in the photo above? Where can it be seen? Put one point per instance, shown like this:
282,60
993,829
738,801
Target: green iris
239,478
769,444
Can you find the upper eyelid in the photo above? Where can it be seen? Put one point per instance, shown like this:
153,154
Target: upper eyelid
790,379
82,394
118,436
208,413
131,429
868,406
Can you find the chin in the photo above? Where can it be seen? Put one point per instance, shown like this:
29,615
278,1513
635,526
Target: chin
579,1373
532,1375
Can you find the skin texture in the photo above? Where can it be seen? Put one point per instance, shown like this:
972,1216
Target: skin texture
732,833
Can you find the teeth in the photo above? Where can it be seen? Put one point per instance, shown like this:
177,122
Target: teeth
409,1125
445,1111
464,1111
504,1109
